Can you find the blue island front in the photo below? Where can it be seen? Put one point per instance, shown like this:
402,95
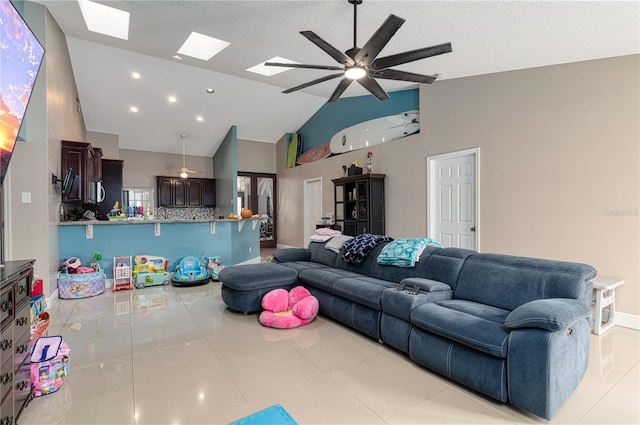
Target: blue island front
234,241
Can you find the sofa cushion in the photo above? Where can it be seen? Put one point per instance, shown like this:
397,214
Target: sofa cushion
366,291
483,311
480,333
508,282
302,265
445,264
400,303
323,277
551,315
366,266
248,277
396,274
284,255
320,254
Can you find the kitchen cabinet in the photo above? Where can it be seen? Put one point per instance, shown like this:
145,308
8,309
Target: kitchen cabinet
359,204
178,192
112,182
15,293
86,162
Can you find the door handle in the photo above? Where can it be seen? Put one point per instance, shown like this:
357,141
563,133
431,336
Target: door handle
473,229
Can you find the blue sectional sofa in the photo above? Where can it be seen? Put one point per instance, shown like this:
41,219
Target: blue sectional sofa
515,329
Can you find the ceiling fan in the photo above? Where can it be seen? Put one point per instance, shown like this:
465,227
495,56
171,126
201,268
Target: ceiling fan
184,171
362,64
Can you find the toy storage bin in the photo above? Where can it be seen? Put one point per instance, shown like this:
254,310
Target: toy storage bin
81,285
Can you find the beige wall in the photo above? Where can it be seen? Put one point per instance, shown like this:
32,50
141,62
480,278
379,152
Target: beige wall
559,165
109,143
141,167
256,157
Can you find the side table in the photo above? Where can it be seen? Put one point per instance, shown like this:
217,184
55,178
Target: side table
605,287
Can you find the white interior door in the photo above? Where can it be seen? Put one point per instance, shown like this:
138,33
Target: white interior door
453,199
312,207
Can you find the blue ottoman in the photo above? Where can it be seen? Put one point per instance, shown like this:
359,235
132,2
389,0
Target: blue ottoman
244,286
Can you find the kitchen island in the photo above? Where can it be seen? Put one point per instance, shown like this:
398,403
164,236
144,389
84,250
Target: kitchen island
234,241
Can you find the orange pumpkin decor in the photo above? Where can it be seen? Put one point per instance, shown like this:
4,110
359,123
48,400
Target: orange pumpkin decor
245,213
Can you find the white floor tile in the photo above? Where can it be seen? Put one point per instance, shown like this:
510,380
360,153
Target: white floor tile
166,355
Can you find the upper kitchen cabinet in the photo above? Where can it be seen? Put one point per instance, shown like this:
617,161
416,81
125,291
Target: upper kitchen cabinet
86,162
178,192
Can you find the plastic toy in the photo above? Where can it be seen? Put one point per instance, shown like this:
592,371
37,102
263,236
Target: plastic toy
190,272
122,273
150,270
214,265
70,265
286,310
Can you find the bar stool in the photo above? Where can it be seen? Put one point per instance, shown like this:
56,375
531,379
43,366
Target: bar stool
605,287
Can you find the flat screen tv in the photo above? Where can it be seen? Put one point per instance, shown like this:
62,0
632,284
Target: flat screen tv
19,65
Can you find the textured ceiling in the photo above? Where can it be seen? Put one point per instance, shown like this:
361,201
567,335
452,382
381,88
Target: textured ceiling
487,37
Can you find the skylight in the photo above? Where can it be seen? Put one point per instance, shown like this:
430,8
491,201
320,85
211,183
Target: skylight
202,47
271,70
104,19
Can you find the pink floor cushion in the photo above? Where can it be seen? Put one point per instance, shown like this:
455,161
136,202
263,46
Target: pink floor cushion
285,310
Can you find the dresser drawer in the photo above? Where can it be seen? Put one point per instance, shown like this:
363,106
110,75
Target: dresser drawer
6,411
6,307
21,323
22,387
6,380
6,345
23,287
21,349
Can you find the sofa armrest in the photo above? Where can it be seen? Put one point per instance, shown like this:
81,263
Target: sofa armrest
551,314
425,285
287,255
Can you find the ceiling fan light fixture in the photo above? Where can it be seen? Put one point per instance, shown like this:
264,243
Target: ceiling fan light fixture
355,72
184,174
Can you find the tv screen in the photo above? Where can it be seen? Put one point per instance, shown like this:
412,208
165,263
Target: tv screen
19,66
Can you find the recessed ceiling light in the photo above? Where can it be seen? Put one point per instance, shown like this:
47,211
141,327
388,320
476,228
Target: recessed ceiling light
135,75
104,19
199,118
172,99
210,90
178,57
133,109
271,70
202,46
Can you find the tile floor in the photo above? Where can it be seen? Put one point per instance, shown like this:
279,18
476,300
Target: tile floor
166,355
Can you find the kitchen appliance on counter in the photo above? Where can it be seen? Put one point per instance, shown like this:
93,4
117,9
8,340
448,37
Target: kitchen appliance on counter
96,192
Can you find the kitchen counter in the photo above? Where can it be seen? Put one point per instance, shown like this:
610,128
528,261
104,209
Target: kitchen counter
161,221
234,241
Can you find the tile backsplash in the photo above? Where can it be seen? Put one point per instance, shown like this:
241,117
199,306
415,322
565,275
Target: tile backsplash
185,213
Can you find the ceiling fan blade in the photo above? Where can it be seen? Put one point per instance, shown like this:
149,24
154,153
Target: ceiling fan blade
298,65
378,40
373,87
410,56
342,86
311,83
328,48
392,74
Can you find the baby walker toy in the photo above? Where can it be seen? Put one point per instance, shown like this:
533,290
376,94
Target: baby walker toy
190,272
122,273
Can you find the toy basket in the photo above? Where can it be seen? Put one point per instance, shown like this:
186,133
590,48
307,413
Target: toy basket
49,364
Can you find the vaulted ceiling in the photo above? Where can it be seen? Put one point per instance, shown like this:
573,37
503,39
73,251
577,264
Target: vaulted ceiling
487,37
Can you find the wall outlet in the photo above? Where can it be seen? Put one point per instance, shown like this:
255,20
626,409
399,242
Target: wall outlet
250,249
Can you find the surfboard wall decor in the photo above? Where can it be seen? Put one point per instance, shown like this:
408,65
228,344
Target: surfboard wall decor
293,149
375,132
336,117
